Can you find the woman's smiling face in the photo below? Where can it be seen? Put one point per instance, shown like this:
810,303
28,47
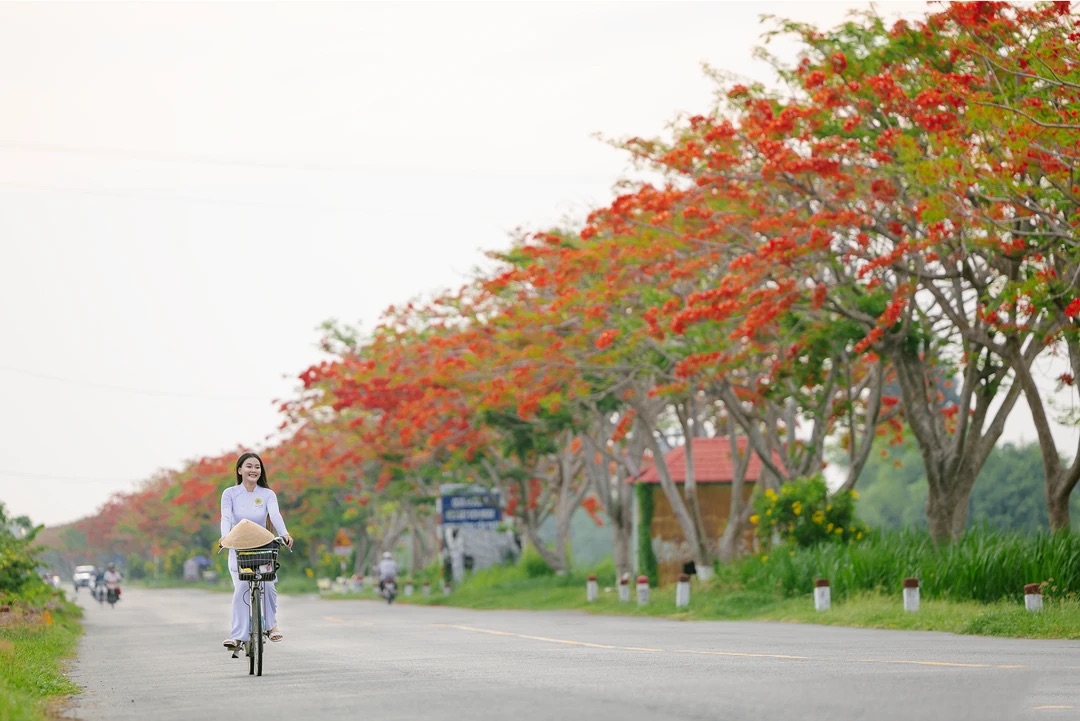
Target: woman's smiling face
250,471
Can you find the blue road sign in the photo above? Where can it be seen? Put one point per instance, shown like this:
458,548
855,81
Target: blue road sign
474,508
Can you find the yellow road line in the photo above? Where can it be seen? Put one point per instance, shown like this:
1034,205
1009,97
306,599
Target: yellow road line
351,622
953,664
545,638
740,654
748,655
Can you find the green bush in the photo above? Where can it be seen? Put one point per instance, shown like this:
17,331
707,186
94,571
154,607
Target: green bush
985,566
19,576
432,574
534,564
138,568
804,514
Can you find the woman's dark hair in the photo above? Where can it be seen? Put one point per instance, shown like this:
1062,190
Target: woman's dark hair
262,469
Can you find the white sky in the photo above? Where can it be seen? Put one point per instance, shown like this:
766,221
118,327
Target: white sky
188,190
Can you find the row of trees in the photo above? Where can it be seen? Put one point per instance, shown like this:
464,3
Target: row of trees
20,572
1008,494
885,246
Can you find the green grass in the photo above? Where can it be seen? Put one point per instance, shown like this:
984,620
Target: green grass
974,586
293,583
984,565
32,652
1059,619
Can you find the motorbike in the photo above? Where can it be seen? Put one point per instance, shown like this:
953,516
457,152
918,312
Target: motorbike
112,595
389,590
98,592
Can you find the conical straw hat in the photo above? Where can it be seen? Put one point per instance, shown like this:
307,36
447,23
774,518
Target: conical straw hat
246,535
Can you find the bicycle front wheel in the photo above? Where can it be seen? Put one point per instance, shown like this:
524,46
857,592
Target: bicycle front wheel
258,621
254,649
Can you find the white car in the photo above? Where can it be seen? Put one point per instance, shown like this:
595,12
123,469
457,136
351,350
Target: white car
84,576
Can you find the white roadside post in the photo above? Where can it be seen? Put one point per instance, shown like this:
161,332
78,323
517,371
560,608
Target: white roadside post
592,590
911,594
408,588
624,589
642,590
446,588
821,594
426,588
682,591
1033,597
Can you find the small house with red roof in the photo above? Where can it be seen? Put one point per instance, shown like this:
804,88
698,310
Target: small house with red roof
714,471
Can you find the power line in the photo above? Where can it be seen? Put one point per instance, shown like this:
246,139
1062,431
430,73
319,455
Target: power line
46,477
383,170
182,198
189,158
129,389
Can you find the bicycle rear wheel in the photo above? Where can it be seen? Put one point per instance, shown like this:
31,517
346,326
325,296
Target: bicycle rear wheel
254,630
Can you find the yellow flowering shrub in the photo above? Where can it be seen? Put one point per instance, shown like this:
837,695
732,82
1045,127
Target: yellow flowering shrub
805,514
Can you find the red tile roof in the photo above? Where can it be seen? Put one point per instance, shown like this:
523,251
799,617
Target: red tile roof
712,462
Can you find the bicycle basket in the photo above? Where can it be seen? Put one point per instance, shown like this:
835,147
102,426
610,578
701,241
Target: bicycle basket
257,563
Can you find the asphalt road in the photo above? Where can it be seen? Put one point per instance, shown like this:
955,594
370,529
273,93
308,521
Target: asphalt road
158,655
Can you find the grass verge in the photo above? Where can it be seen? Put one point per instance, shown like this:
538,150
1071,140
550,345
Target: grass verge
510,588
34,643
1058,619
286,583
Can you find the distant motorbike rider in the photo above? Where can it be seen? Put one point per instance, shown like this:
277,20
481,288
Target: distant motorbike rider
388,570
99,584
113,578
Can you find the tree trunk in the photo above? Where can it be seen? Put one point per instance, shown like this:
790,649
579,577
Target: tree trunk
611,470
624,562
561,544
571,490
416,550
739,512
1057,506
398,527
561,492
953,450
551,555
689,424
947,508
1060,479
530,515
622,526
861,436
682,514
361,549
731,540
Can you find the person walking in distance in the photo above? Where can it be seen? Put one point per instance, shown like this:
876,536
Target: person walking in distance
250,499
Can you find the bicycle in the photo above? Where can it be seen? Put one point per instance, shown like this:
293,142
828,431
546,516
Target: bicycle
257,566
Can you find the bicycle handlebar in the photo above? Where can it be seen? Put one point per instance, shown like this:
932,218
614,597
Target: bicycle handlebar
280,540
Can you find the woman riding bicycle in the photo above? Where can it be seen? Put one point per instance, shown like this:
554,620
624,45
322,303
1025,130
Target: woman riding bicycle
250,499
